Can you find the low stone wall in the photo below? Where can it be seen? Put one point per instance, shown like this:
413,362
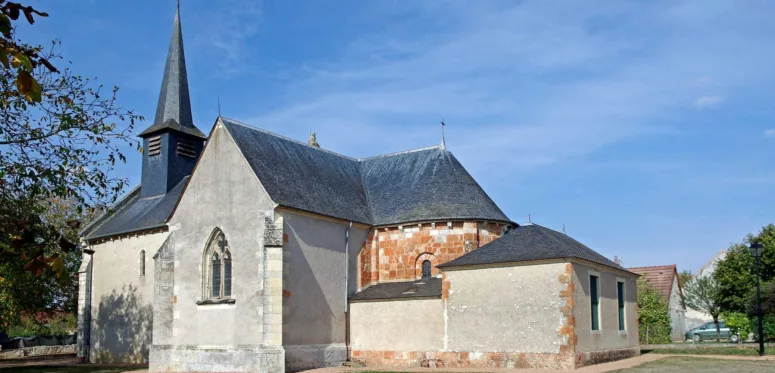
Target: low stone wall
434,359
599,357
37,351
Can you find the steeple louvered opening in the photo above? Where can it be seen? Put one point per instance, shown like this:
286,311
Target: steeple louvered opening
154,146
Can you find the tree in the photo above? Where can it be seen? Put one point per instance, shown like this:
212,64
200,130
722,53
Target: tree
684,277
768,301
59,139
653,314
23,292
735,273
703,294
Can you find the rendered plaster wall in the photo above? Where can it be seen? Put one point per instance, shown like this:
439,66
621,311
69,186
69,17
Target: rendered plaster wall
399,325
121,298
677,313
222,193
314,293
608,337
506,309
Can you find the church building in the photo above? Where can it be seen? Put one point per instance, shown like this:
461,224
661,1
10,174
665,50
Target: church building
246,251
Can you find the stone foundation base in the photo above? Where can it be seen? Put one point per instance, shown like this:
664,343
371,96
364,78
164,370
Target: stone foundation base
303,357
415,359
195,358
599,357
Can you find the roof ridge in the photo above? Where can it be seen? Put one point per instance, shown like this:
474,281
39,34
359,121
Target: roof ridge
243,124
657,266
400,152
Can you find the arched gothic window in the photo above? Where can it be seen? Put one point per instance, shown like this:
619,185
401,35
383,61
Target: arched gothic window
217,263
426,269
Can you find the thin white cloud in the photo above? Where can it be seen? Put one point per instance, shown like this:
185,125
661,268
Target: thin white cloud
520,87
705,102
770,132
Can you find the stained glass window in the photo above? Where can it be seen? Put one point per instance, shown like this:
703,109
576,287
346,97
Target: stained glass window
226,274
426,269
217,278
216,273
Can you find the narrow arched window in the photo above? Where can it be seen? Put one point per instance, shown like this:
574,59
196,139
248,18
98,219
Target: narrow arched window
142,262
426,269
217,267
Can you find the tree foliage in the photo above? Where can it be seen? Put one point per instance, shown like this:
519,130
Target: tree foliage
24,292
768,300
59,139
684,277
703,294
736,274
653,314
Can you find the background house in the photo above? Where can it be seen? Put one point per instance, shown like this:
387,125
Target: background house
665,279
696,318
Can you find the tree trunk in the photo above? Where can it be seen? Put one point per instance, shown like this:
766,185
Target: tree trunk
718,329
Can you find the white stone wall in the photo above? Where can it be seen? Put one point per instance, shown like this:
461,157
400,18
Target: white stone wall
399,325
677,313
121,298
314,288
506,309
608,337
223,193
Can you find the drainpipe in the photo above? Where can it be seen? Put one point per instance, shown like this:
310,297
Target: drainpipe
346,290
86,338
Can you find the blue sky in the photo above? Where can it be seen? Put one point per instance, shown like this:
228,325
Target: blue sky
646,127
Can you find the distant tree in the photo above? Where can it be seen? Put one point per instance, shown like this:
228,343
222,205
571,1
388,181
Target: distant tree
703,294
653,314
684,277
735,273
59,139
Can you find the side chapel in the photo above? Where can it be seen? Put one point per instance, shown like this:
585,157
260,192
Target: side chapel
246,251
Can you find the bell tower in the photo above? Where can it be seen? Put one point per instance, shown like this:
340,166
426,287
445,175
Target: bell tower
172,144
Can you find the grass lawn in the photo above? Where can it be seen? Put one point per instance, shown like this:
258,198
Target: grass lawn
66,369
705,365
709,351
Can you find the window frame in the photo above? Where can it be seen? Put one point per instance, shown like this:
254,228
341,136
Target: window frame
594,303
621,304
217,251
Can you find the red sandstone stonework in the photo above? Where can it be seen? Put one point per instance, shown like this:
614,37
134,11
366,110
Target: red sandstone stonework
397,253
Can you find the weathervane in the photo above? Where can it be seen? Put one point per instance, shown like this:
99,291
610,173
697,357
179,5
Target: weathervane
443,143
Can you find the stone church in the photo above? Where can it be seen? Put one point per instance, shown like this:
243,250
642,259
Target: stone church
246,251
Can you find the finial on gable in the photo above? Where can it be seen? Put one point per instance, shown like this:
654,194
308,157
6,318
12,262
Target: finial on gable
443,142
313,141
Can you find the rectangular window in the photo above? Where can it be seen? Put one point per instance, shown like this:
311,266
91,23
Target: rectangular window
620,296
594,297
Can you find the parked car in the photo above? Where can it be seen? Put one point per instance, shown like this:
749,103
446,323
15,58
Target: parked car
708,331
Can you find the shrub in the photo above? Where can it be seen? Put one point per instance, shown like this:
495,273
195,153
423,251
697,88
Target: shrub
653,315
769,328
738,323
59,326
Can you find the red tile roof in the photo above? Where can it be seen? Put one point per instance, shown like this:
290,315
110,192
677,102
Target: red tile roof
660,277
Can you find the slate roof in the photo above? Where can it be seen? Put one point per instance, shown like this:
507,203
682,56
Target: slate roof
528,243
134,214
419,185
173,110
430,288
660,277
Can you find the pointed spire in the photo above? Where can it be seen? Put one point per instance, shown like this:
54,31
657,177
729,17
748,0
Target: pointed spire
174,107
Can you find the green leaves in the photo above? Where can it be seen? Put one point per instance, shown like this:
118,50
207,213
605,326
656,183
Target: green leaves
704,294
653,314
736,273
